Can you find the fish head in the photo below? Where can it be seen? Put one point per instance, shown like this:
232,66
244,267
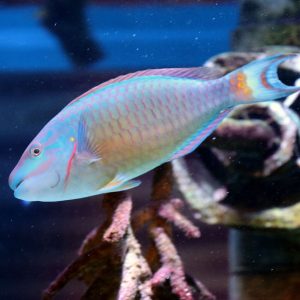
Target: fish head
38,176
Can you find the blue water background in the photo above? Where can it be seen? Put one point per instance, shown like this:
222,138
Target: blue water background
132,37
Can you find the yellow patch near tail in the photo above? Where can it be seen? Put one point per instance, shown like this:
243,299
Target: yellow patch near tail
116,186
115,182
238,86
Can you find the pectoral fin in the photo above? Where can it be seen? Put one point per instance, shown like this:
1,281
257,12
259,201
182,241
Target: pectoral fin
89,148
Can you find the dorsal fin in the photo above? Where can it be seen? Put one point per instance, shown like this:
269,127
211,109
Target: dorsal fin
201,73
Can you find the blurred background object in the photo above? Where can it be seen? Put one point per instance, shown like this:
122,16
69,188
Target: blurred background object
265,264
252,166
66,19
267,22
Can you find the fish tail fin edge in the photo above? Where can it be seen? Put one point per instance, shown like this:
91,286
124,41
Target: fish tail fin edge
258,81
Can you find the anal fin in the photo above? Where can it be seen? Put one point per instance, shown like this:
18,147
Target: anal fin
114,187
199,136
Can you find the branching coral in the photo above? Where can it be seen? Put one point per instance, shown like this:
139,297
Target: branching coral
112,263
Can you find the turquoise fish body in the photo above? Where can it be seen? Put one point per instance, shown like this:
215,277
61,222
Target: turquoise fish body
129,125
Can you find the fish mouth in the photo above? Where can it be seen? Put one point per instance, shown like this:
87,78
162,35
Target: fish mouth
14,181
18,184
37,188
52,186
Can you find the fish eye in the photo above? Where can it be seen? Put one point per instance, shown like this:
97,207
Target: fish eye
35,151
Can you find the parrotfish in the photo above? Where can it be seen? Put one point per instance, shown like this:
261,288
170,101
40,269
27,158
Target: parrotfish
101,141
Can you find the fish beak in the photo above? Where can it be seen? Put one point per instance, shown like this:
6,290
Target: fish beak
21,191
16,185
14,181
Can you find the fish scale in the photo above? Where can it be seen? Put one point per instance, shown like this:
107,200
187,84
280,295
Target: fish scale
150,119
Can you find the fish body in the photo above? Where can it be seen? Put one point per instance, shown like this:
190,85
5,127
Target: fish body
127,126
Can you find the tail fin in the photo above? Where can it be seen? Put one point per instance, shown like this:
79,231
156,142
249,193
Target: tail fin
258,81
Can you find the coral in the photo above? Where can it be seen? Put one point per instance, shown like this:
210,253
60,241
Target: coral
136,274
111,261
172,268
170,212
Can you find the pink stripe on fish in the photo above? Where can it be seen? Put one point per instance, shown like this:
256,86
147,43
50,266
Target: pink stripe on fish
43,167
69,165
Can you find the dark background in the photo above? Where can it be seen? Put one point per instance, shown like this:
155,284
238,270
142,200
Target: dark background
38,78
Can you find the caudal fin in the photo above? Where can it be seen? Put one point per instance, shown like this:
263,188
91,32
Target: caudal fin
258,81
